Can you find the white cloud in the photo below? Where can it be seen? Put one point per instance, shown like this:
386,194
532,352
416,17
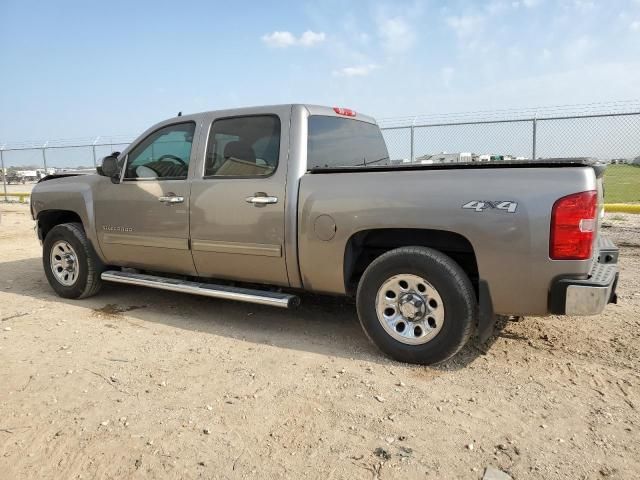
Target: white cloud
287,39
309,38
530,3
465,25
583,5
355,71
396,34
635,26
279,39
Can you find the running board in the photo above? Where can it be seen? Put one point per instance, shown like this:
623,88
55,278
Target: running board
275,299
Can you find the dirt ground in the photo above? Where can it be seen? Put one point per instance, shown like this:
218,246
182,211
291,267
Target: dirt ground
137,383
16,188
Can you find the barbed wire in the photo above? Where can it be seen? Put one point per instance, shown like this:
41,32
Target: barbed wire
514,114
68,142
508,114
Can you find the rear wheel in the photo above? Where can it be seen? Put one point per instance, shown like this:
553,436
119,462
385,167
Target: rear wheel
417,305
70,264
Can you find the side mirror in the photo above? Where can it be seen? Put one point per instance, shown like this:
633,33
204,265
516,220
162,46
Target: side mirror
109,168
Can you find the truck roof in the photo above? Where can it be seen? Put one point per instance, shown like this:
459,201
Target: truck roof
312,109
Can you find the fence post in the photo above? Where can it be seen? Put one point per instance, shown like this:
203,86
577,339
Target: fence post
412,147
4,174
44,157
93,148
535,125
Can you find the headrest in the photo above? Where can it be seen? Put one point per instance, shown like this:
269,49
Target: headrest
239,150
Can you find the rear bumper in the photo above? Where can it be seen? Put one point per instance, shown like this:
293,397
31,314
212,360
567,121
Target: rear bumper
570,296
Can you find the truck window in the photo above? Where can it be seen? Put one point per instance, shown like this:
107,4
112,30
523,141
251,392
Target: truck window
164,154
344,142
243,147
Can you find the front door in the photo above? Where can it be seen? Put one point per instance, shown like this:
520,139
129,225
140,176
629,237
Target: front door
238,201
143,221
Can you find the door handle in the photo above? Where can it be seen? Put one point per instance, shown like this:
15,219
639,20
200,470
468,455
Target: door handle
171,199
261,199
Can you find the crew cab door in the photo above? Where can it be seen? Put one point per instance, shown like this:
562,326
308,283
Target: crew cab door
143,221
238,199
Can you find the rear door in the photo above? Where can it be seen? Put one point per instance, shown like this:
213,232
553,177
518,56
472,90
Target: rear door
237,211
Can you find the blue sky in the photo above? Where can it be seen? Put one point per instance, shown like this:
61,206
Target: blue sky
73,69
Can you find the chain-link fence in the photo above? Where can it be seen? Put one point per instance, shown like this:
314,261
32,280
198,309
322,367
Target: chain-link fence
610,138
23,165
613,138
605,137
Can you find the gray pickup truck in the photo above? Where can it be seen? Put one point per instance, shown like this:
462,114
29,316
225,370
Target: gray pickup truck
270,201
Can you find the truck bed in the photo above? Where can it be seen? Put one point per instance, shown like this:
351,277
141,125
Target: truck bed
511,248
540,163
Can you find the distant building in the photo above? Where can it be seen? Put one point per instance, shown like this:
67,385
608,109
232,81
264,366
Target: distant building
445,157
399,161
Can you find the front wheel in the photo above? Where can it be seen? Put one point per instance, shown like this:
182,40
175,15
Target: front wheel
417,305
70,264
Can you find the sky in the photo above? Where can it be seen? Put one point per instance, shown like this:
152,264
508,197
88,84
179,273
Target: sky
78,69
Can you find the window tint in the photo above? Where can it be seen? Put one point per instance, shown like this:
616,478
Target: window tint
243,146
163,154
344,142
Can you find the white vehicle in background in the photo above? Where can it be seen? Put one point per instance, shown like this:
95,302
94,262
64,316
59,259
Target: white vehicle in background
28,175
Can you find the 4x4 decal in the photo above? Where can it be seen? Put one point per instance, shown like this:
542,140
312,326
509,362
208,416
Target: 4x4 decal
482,205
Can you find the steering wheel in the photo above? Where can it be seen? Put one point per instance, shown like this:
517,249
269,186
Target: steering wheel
173,157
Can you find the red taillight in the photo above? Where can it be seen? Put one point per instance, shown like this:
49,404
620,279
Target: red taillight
347,112
573,224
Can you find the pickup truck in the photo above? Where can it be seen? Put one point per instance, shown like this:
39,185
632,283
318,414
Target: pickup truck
259,204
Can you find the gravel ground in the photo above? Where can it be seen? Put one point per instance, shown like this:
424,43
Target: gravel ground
137,383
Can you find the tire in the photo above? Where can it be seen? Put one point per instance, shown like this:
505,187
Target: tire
70,239
442,302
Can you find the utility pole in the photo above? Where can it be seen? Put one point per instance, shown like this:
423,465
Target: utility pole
4,174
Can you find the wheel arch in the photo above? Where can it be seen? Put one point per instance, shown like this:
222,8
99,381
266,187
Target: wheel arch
47,219
365,246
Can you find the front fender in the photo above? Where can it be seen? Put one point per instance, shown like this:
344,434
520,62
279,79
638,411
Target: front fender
73,194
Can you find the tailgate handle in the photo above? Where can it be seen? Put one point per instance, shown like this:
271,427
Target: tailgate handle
261,198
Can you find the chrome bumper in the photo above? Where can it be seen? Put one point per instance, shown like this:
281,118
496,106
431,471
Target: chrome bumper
586,300
588,296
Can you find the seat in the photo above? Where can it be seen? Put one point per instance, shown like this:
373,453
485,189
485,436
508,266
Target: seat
240,160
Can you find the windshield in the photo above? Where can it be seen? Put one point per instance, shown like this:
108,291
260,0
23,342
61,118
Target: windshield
344,142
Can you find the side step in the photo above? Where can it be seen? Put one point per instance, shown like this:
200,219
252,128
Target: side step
275,299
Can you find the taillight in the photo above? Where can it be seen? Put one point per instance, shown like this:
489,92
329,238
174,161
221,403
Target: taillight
347,112
573,224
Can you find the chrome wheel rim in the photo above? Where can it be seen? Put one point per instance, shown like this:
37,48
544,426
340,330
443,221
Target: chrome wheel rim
64,263
410,309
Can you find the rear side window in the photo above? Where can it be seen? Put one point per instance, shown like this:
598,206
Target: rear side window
243,147
343,142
